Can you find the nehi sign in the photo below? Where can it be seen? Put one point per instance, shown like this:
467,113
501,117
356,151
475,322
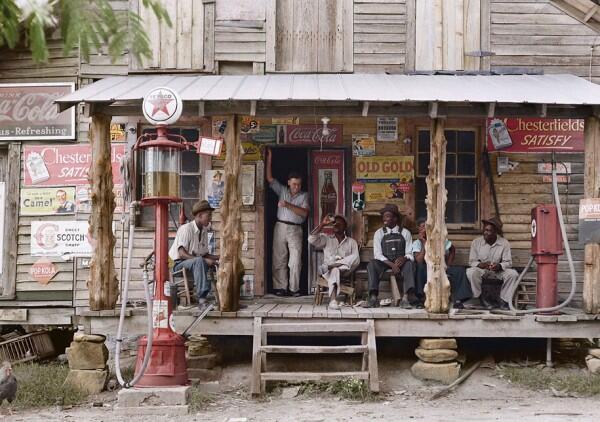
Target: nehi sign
28,112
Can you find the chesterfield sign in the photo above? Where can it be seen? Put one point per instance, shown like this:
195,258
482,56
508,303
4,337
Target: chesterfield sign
28,112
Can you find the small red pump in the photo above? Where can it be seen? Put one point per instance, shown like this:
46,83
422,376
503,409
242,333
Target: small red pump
546,246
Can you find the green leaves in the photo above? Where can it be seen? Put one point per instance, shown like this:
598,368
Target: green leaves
91,25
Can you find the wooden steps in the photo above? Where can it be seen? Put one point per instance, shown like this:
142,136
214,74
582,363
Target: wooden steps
260,349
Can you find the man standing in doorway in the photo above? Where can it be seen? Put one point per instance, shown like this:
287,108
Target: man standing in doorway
190,249
292,210
490,257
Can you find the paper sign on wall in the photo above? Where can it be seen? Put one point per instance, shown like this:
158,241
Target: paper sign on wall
60,238
47,201
387,129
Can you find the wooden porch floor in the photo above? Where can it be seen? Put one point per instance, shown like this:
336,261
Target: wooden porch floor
397,322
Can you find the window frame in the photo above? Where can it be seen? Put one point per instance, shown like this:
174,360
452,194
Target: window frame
478,177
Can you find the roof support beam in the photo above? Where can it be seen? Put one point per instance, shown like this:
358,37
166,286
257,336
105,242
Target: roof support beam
433,110
253,104
542,109
365,109
491,110
201,111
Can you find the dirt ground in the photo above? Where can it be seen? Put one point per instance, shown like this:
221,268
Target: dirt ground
483,397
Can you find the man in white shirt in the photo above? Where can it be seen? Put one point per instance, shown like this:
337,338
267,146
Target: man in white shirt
392,250
292,210
190,249
340,253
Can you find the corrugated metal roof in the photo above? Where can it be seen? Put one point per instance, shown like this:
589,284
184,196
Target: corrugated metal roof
537,89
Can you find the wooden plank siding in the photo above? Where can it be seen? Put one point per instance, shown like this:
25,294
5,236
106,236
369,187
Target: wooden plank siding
380,33
537,36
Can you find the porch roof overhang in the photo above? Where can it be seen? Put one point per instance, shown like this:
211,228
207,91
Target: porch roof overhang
350,94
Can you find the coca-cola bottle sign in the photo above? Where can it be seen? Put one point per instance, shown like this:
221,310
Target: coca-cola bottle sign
28,112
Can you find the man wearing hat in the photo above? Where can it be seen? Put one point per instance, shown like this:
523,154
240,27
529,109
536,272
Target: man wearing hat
340,253
490,258
392,250
190,249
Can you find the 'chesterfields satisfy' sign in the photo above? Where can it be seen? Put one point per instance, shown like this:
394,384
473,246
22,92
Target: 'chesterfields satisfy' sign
28,112
535,135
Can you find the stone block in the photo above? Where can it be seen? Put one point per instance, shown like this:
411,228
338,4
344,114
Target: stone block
153,411
593,364
438,343
199,349
154,396
202,362
205,375
442,372
90,381
86,355
594,352
92,338
436,355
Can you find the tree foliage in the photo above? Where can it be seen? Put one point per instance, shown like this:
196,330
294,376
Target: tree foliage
91,25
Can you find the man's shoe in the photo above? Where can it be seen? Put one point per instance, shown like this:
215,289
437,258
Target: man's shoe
333,305
504,305
487,305
373,302
295,294
458,305
279,292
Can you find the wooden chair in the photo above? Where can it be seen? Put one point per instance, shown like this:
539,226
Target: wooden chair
321,289
185,292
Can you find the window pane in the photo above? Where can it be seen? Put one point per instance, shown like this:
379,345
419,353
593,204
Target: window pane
466,212
466,189
423,164
466,165
421,189
451,164
452,189
187,207
190,186
190,162
424,140
190,135
466,141
451,139
451,217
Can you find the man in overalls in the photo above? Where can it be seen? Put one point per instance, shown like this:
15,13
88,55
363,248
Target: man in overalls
392,250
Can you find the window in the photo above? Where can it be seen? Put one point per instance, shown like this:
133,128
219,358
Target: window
461,175
189,179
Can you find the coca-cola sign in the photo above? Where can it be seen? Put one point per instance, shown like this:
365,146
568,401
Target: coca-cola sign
313,135
28,112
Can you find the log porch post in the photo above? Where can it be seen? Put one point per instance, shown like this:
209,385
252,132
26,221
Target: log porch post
591,274
231,267
437,289
102,282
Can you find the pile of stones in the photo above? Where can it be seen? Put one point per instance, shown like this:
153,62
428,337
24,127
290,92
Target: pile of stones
87,356
593,361
437,360
202,360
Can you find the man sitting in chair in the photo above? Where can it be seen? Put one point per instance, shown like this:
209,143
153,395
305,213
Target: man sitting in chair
190,249
490,257
340,253
392,250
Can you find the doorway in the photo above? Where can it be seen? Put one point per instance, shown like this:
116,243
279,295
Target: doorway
286,160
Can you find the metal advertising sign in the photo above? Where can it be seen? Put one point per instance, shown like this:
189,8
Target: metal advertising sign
384,192
589,220
385,169
60,238
313,135
363,145
43,271
328,184
48,201
535,135
27,112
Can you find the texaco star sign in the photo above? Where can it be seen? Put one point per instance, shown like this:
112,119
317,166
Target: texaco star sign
162,106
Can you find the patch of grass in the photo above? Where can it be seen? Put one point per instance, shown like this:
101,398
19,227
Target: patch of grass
42,386
348,389
536,379
199,400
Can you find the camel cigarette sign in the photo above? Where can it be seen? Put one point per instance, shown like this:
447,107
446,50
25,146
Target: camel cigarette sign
28,112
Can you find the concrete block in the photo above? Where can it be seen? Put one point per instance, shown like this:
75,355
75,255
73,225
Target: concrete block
90,381
443,372
199,349
436,355
202,362
593,364
154,396
438,343
92,338
153,411
86,355
205,375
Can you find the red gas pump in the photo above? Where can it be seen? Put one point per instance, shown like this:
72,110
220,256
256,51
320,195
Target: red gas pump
546,246
161,168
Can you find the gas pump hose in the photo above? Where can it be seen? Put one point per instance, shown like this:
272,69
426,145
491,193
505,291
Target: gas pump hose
119,340
563,232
